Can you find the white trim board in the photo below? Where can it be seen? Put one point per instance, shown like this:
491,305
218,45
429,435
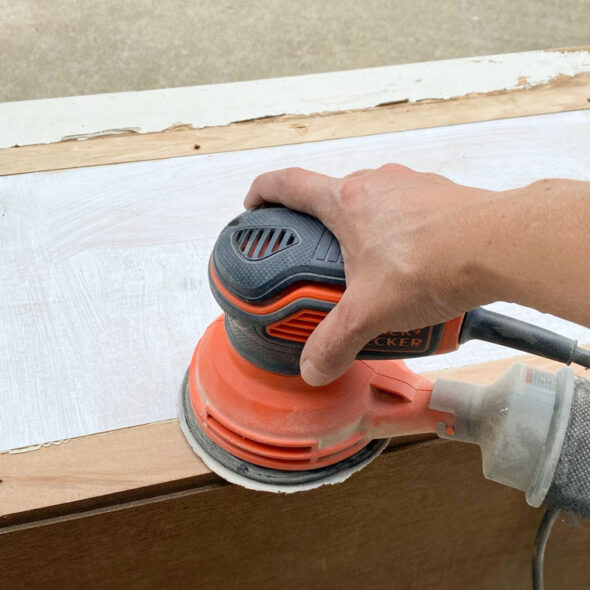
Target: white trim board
55,119
103,281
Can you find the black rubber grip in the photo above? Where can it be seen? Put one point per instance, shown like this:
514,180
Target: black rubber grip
263,251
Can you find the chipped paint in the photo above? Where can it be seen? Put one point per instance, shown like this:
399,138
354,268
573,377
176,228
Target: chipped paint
82,117
29,448
118,131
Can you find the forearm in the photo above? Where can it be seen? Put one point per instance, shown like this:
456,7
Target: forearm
533,247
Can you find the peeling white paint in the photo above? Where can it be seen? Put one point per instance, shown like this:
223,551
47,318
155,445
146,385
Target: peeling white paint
54,443
50,120
101,133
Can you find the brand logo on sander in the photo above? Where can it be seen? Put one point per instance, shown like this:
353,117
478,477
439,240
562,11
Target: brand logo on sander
412,342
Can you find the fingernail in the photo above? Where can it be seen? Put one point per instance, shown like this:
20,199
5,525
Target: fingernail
311,375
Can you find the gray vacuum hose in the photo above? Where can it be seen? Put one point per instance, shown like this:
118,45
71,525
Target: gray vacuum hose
570,486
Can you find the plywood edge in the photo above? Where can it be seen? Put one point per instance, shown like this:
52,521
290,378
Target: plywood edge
145,461
561,94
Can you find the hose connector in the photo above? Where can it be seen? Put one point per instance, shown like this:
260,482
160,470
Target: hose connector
519,422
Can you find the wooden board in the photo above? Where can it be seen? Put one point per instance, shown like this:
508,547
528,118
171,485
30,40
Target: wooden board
213,105
104,284
102,470
560,95
135,508
421,518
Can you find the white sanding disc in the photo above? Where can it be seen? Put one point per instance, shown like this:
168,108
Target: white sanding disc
251,484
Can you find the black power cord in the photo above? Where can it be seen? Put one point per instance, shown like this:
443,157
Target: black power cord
541,539
483,324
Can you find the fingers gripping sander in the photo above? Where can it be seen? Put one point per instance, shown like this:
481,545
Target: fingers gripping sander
276,273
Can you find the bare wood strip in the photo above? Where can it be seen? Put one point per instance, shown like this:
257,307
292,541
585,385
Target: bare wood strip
560,95
140,462
141,459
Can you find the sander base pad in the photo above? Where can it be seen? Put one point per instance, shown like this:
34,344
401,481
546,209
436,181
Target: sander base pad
264,479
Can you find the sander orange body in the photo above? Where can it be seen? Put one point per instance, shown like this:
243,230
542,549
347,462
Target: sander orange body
245,410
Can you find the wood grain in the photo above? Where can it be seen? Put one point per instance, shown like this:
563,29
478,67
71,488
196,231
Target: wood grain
560,95
141,462
99,469
420,518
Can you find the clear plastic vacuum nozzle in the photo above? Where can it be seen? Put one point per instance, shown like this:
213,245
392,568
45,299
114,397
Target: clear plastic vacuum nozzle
519,422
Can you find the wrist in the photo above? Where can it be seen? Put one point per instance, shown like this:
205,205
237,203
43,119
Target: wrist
508,243
489,252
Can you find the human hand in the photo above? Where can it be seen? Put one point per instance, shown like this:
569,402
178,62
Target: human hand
407,244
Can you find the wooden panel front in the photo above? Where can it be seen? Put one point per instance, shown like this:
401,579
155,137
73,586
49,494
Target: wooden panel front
420,517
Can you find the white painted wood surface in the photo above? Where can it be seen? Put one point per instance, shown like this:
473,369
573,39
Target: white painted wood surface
103,285
50,120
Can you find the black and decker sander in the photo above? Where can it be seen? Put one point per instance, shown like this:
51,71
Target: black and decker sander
248,414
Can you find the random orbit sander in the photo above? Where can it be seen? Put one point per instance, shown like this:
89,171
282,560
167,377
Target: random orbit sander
252,419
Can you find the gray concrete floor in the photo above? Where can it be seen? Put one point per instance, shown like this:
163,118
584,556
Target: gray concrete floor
69,47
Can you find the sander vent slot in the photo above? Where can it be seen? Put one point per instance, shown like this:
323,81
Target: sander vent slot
294,453
297,327
258,243
328,249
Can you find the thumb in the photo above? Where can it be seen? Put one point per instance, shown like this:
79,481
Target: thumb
336,341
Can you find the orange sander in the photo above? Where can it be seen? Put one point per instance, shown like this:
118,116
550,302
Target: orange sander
245,410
